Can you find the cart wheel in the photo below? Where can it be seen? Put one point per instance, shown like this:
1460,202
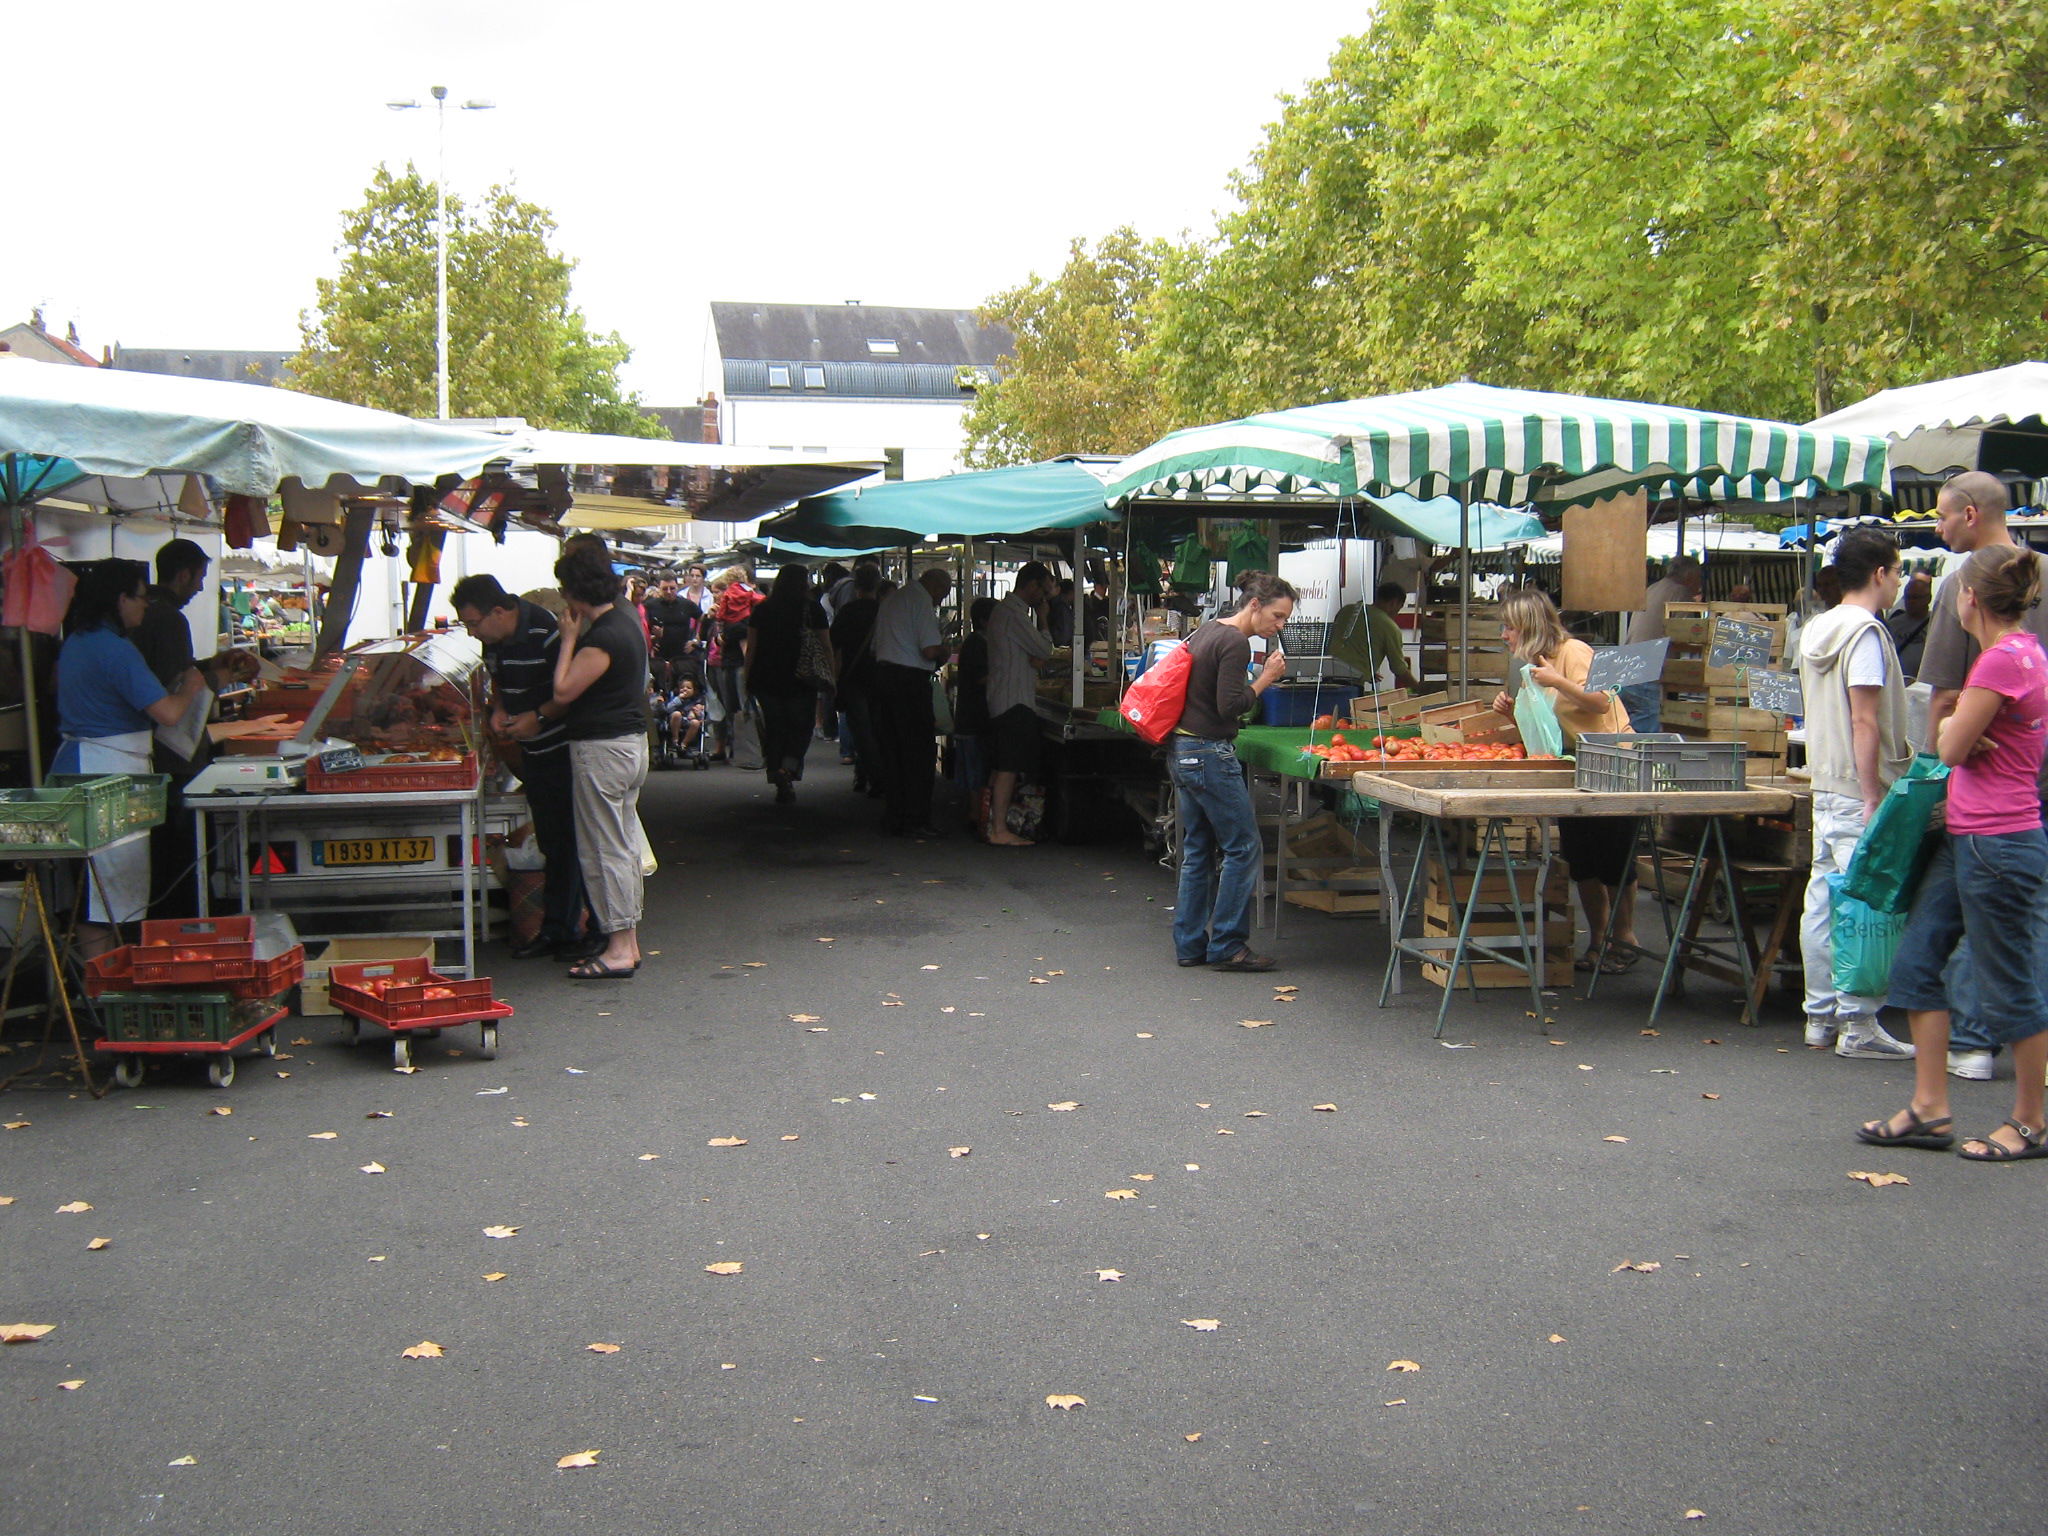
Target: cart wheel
432,1034
220,1070
354,1026
128,1071
490,1033
267,1042
401,1051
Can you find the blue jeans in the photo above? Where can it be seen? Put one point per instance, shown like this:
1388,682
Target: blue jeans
1645,705
1219,849
1988,888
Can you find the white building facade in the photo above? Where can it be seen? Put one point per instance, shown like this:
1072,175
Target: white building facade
828,377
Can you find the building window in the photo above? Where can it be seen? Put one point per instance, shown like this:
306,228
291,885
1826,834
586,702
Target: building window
778,376
814,376
815,448
882,347
892,463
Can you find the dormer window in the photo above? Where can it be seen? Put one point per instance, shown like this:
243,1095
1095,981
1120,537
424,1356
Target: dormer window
778,376
814,376
882,347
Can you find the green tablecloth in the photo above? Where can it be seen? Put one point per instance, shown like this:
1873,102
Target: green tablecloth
1277,749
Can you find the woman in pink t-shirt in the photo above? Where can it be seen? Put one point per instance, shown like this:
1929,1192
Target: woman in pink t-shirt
1985,881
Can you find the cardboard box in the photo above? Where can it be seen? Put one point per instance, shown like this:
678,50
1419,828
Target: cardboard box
313,990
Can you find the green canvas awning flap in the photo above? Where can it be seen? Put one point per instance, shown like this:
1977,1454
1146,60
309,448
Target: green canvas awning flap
982,504
1514,447
1436,521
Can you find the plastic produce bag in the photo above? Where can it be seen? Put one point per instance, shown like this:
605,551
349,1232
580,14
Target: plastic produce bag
38,590
1536,717
1885,870
1865,940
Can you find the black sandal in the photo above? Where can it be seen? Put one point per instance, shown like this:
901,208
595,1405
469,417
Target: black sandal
2033,1143
1933,1134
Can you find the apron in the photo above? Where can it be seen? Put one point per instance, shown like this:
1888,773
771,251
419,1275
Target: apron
120,876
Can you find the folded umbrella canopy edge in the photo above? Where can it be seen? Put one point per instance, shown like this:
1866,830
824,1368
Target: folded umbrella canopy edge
1058,494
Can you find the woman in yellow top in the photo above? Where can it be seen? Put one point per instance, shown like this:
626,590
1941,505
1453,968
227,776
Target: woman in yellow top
1600,850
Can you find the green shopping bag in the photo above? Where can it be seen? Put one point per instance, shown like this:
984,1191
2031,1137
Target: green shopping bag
1536,717
1885,870
1866,941
1192,568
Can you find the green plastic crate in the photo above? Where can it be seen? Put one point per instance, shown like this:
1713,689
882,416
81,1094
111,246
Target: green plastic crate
148,795
36,821
106,802
170,1018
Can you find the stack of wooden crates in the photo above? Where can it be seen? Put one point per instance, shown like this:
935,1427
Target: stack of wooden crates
1714,648
1443,908
1444,634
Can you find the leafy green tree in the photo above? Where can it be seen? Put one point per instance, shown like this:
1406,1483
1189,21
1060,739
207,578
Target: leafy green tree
517,346
1079,381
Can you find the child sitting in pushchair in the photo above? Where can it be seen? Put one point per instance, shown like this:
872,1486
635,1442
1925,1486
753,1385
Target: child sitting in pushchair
685,728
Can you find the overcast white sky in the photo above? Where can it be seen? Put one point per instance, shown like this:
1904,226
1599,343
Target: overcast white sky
179,171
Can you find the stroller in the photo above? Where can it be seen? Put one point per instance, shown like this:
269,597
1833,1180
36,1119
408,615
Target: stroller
696,754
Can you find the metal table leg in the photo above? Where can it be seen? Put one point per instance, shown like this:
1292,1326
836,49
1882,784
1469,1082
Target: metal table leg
1689,916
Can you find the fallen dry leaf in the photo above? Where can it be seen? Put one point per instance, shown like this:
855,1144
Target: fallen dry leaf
804,1018
6,1199
604,1349
650,1157
1709,1040
405,1071
792,1138
824,940
1222,1132
1192,1167
184,1461
921,968
1279,988
755,965
1394,1402
499,1231
1557,1338
72,1386
724,1267
1642,1269
19,1125
494,1276
1065,1400
1109,1274
322,1135
374,1168
426,1349
23,1333
221,1109
97,1244
1255,1023
1191,1439
378,1114
1255,1114
1144,1034
1202,1324
1650,1034
1879,1180
1119,1194
726,1141
578,1459
1324,1109
1064,1105
75,1208
1710,1095
1614,1138
1040,981
1695,1514
1144,1178
1404,1366
958,1151
868,1096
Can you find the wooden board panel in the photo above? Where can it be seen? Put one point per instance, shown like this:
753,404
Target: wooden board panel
1606,551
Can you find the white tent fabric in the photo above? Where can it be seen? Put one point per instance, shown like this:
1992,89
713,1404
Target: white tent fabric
539,445
1938,426
249,438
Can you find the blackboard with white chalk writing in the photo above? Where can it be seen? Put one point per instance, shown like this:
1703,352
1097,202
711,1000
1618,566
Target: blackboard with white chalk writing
1620,666
1736,644
1778,692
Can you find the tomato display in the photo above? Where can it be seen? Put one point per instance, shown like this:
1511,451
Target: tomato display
1395,749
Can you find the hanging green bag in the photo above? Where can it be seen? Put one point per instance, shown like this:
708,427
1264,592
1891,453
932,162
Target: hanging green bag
1865,941
1248,550
1885,870
1192,569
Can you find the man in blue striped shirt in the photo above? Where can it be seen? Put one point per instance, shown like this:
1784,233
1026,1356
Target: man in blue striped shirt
520,640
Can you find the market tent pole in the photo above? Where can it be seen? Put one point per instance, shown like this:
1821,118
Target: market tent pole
1465,587
356,521
1075,624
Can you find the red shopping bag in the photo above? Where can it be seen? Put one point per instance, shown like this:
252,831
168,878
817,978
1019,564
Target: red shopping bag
38,590
1154,702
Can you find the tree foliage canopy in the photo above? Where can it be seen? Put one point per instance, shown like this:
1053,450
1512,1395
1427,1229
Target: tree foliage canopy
1773,207
517,346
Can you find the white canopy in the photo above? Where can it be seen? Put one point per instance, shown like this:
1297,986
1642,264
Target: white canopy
540,445
1939,426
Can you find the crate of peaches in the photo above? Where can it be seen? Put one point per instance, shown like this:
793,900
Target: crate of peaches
408,994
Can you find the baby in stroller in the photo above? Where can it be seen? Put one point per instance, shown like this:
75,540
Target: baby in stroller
685,731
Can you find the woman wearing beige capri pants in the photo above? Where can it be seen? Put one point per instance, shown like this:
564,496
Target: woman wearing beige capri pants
601,697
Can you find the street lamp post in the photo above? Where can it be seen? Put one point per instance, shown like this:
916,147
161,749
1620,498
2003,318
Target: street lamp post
440,94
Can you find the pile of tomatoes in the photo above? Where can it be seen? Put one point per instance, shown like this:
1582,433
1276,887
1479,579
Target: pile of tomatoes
1397,749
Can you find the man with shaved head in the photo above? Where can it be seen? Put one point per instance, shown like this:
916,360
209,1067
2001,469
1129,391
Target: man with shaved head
1970,515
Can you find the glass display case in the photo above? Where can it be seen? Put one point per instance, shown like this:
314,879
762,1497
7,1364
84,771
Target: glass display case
417,699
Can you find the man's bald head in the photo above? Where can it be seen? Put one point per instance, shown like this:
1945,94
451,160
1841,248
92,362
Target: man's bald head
1970,511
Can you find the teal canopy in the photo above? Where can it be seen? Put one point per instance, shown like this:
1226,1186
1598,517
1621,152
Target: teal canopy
784,549
1513,446
247,438
984,504
1437,521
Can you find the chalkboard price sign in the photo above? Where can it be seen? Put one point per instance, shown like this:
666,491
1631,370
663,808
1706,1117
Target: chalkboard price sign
1778,692
1621,666
1737,644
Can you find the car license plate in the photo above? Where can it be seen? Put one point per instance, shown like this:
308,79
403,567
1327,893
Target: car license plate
376,850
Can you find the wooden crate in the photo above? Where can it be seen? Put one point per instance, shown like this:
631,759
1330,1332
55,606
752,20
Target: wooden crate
1486,666
1456,888
1715,714
1472,721
1492,974
1524,835
1441,622
1692,624
1339,903
1439,919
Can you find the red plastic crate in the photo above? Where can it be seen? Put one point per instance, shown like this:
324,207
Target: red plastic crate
403,1003
207,950
115,971
376,778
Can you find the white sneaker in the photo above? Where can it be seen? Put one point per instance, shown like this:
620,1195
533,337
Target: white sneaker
1872,1044
1820,1032
1974,1065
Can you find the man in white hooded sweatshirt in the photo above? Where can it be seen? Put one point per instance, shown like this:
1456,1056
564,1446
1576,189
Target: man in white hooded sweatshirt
1855,746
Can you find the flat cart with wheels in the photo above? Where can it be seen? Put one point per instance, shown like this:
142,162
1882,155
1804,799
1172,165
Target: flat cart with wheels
405,998
131,1056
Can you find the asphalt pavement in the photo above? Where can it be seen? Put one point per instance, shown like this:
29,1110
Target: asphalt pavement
997,1149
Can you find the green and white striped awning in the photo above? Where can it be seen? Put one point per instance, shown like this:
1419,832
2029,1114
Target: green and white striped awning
1515,447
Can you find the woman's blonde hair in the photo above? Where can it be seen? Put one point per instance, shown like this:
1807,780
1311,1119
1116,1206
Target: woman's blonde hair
1539,632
